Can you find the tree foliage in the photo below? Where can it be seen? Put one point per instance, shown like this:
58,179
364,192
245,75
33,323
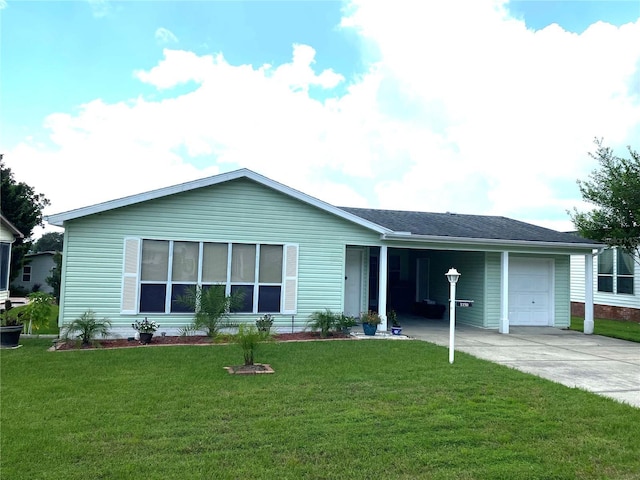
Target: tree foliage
55,279
49,242
614,189
23,207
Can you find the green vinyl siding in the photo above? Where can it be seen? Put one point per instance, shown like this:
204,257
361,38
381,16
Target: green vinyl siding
238,211
470,286
493,284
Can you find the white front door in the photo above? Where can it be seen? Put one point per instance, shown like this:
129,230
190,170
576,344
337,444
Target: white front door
353,282
530,291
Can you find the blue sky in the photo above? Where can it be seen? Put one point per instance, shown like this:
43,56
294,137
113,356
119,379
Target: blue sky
485,107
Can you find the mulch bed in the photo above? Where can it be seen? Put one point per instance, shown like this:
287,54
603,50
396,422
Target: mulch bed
193,340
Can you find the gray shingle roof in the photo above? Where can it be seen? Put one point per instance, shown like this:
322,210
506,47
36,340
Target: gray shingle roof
463,226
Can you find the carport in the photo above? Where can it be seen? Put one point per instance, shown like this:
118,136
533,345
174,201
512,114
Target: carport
516,273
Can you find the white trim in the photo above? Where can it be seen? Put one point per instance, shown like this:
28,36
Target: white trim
382,286
588,324
563,246
59,218
504,293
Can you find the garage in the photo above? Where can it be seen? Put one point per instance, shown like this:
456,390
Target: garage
531,292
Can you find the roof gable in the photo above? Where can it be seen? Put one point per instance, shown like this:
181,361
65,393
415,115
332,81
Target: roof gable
390,224
60,218
9,226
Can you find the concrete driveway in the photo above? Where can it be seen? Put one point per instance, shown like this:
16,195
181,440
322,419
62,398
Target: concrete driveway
602,365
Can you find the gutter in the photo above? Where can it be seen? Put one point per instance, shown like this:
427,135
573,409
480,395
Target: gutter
401,236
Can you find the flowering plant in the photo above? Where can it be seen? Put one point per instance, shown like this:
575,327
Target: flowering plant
264,323
145,326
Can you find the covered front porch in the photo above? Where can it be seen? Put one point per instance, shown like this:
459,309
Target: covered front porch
508,289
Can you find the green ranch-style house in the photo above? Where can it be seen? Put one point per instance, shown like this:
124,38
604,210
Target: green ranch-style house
292,254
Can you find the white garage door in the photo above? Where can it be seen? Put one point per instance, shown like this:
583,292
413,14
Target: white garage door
530,291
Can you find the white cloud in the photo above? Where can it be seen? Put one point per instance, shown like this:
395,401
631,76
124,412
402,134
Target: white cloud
165,36
100,8
463,109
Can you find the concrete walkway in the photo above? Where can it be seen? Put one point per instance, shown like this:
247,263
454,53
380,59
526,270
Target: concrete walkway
602,365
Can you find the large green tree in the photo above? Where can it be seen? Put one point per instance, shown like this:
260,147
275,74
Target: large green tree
23,207
49,242
614,189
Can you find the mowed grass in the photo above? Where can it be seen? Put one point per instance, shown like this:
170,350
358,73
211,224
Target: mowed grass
610,328
333,410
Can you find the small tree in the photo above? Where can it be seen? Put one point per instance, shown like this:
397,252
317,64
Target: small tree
38,310
249,337
614,189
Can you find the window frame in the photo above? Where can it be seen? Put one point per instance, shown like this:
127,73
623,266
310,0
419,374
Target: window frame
615,276
26,275
256,285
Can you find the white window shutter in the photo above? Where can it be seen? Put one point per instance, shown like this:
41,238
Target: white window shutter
130,268
290,280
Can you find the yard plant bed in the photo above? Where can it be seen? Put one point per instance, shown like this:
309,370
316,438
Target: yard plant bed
159,340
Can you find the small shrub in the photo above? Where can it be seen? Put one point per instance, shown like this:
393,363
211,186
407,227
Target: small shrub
249,337
344,323
86,328
323,321
264,323
9,319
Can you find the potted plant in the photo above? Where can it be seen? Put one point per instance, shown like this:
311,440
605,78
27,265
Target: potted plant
146,329
370,321
264,323
345,323
10,327
396,328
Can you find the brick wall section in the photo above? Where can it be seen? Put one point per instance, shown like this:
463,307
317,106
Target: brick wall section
607,312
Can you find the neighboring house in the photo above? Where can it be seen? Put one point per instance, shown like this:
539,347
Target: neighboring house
8,235
292,254
616,285
35,271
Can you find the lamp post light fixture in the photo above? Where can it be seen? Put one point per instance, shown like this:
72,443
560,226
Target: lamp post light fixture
453,276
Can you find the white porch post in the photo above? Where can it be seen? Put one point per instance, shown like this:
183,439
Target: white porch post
504,293
382,287
588,294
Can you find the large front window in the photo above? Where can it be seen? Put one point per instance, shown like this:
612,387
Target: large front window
170,268
615,271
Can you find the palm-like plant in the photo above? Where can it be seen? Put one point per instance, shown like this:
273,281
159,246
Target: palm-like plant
212,307
249,337
323,321
86,328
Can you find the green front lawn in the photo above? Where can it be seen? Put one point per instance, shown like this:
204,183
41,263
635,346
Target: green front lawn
610,328
337,409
